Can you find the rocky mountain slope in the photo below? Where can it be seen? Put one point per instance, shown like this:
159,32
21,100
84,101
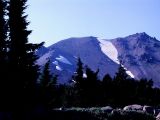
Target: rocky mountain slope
139,54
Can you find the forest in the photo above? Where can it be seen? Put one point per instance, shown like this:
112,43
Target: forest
25,89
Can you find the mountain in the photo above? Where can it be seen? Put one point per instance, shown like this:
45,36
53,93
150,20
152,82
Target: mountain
139,54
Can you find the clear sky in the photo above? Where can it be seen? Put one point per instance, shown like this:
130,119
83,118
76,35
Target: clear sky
54,20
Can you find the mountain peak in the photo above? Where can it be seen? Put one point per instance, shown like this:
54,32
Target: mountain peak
139,54
139,35
142,34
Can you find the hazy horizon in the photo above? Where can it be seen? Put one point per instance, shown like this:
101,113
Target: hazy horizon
54,20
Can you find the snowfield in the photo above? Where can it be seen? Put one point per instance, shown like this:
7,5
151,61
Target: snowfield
110,51
63,60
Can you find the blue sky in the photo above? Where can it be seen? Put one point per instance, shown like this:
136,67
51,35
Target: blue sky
54,20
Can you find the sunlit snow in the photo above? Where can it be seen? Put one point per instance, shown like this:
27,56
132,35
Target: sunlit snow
55,62
84,75
63,60
128,72
58,68
110,51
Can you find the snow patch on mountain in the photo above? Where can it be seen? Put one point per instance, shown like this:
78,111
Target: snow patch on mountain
109,50
84,75
63,60
55,62
58,68
130,74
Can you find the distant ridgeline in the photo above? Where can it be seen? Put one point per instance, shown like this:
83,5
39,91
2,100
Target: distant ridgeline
138,54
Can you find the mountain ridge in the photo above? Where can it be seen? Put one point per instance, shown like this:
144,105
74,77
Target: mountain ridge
139,54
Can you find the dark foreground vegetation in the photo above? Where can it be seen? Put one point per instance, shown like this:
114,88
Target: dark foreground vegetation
27,94
81,115
78,115
99,115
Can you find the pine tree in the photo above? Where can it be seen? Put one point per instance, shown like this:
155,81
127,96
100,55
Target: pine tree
122,84
121,74
77,95
107,86
144,91
92,88
3,32
23,69
48,88
107,80
3,54
46,76
78,76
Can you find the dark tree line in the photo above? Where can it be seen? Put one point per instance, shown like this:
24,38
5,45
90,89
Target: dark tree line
118,91
88,91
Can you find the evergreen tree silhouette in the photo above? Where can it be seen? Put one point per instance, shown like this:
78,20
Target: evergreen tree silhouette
3,33
3,54
120,86
23,69
121,75
78,93
107,86
52,94
144,91
46,76
92,88
78,76
48,88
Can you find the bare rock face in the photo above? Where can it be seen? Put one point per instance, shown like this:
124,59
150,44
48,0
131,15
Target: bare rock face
64,55
139,54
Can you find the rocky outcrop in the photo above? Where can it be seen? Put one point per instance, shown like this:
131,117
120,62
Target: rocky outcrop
134,107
